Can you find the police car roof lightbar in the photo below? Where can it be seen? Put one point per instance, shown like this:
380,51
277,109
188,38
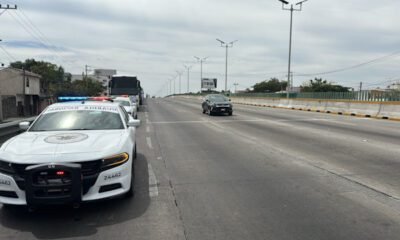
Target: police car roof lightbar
71,98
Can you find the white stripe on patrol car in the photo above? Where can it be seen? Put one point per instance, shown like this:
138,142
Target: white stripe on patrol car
82,108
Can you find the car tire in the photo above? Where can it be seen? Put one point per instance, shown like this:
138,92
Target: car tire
210,112
230,113
135,154
131,191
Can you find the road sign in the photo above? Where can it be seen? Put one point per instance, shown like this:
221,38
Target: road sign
209,83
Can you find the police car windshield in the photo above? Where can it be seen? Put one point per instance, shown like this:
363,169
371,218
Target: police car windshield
78,120
218,98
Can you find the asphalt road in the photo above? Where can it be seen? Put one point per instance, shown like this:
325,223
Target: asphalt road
262,173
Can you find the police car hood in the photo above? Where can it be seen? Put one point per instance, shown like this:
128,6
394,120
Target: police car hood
41,147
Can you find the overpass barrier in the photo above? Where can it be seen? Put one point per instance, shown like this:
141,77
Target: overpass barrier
375,109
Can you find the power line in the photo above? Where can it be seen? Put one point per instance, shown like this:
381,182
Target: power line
352,67
11,57
27,24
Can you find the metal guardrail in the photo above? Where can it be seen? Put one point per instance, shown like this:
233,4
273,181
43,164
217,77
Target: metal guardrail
367,95
11,128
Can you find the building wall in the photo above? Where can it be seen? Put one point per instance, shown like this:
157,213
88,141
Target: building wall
105,72
9,104
11,82
20,97
32,85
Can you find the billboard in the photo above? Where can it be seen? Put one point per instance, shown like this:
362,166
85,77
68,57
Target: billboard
209,83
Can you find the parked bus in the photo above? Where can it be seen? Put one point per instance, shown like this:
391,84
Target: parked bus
126,85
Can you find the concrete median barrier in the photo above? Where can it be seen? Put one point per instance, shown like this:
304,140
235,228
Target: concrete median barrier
386,110
389,111
368,109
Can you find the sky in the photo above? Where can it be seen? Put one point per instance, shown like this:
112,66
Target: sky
344,42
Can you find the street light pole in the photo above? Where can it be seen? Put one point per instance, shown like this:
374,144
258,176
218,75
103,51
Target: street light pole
201,60
236,84
174,86
188,69
180,75
226,46
170,86
291,9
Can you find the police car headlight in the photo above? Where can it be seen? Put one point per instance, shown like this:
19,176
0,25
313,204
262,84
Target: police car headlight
114,161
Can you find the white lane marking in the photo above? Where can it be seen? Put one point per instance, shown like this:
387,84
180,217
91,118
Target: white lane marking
147,129
215,127
148,140
153,184
337,122
276,122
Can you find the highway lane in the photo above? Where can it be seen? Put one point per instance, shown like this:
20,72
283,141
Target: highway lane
275,174
261,174
363,150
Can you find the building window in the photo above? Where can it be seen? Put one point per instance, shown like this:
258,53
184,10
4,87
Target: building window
27,82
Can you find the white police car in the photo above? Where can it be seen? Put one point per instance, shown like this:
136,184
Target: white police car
72,152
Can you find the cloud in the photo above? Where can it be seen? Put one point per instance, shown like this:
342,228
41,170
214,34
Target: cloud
154,38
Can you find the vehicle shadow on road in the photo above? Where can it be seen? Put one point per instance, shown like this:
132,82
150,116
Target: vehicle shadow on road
64,222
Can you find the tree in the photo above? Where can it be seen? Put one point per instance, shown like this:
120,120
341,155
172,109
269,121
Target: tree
87,87
319,85
52,75
273,85
55,82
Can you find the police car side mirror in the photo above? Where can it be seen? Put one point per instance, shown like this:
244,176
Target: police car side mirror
134,123
24,125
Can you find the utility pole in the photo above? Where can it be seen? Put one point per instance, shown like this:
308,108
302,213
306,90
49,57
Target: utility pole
180,75
5,8
236,84
86,79
86,70
188,69
361,86
226,46
291,9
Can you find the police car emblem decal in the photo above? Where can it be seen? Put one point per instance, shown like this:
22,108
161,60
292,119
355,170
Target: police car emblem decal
64,138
